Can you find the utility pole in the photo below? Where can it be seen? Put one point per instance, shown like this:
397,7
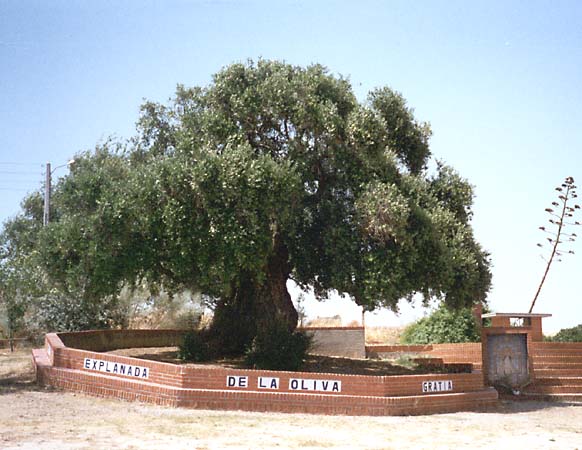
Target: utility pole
47,195
47,190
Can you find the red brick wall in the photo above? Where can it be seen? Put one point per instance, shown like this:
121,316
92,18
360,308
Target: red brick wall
207,387
105,340
466,353
265,401
559,347
536,329
564,359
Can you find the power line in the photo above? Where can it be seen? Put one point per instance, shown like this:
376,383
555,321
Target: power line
11,172
6,163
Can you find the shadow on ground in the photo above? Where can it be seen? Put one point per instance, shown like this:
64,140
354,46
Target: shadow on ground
17,372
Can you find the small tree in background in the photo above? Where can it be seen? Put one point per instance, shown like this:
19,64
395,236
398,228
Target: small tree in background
561,216
573,334
444,325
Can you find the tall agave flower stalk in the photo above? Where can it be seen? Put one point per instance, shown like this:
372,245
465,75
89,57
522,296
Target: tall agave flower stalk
561,216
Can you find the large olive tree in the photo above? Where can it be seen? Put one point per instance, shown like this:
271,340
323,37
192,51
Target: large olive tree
271,172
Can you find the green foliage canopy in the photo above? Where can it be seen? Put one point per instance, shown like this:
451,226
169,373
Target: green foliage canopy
272,172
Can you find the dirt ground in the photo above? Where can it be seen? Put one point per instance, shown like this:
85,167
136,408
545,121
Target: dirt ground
36,418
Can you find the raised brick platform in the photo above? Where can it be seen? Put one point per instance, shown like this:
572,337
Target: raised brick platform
468,353
82,369
557,372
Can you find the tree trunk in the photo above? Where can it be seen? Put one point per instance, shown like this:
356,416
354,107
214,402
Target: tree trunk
255,305
273,299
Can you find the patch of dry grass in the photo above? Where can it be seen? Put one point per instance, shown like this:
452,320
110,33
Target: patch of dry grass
333,321
383,335
16,367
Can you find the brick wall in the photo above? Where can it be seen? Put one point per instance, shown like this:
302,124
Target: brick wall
556,360
465,353
105,340
200,386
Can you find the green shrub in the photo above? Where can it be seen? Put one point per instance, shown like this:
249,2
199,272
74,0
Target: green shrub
573,334
60,312
277,348
194,347
443,326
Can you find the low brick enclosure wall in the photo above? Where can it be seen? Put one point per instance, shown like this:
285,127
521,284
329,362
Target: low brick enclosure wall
467,353
106,340
83,369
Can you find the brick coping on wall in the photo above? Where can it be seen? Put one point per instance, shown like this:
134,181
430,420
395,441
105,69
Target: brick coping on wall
199,386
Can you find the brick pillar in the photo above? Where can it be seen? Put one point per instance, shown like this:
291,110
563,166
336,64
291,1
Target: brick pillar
536,329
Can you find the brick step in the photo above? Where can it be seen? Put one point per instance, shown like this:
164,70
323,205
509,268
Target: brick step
477,365
567,359
547,389
556,352
557,346
452,360
570,398
556,373
557,365
559,381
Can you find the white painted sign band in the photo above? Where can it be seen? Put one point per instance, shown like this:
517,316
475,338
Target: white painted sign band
116,368
437,386
237,381
295,384
299,384
268,383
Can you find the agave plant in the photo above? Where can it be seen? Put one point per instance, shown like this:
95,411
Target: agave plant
557,239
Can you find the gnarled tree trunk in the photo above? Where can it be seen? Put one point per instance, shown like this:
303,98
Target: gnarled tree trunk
255,305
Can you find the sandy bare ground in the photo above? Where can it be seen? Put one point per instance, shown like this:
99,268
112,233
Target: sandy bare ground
36,418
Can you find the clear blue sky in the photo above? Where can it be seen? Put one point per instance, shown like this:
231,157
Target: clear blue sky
500,82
